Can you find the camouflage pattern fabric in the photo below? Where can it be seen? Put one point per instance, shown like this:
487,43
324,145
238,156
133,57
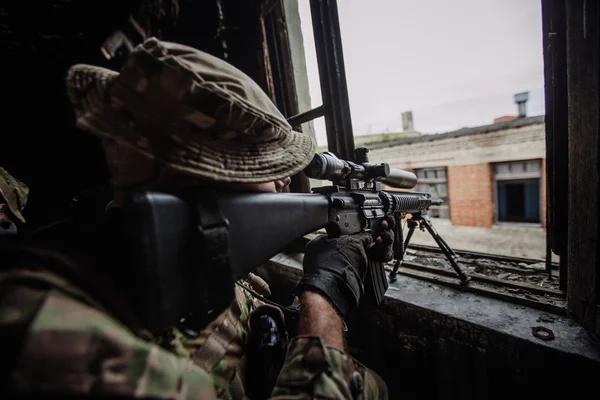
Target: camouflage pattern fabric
220,346
14,192
331,373
191,111
58,338
73,348
314,371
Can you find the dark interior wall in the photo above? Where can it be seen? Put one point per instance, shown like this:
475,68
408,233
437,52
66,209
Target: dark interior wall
228,29
40,39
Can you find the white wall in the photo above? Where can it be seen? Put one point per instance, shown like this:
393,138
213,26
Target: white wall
522,143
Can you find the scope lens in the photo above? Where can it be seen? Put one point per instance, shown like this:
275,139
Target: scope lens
326,166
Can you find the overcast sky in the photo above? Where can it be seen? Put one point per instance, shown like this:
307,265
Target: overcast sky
452,63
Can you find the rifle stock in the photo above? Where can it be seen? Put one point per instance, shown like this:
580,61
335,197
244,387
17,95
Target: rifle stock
261,225
169,254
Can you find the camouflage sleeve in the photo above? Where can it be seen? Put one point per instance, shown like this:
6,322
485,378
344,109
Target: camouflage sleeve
75,349
314,371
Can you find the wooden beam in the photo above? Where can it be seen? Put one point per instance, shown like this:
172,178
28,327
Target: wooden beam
583,122
557,147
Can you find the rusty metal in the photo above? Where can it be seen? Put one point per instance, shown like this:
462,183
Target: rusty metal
332,74
541,332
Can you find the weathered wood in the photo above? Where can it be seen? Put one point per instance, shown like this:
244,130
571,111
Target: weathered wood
279,71
474,287
555,85
478,254
538,290
583,105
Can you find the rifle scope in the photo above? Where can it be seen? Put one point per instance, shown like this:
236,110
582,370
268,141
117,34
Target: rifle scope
328,166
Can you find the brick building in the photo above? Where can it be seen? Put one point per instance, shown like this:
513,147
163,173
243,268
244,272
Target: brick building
486,175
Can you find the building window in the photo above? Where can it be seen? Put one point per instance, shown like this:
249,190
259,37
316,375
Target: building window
434,181
518,191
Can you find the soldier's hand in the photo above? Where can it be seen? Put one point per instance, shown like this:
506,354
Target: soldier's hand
382,249
335,268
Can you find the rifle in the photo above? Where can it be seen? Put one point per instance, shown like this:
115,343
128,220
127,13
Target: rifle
189,249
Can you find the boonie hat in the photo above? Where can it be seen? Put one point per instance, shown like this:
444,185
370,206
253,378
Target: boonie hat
191,111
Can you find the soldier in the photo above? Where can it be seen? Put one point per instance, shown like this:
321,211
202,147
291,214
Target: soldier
13,199
173,117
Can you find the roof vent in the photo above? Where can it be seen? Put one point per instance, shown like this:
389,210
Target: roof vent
521,100
407,121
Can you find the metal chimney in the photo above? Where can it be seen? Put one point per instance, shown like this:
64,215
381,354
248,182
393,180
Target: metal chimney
407,121
521,100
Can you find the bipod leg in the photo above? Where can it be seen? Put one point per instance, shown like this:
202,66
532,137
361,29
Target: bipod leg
400,248
448,252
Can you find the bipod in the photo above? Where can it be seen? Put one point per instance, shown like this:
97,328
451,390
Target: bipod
400,245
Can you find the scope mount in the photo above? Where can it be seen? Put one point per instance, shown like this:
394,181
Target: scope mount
370,173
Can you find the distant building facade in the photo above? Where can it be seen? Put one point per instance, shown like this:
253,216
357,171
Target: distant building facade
486,175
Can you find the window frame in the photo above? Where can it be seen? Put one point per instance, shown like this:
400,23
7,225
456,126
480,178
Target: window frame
573,25
518,176
436,181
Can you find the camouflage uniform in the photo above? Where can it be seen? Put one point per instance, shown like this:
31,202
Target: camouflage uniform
75,345
219,348
63,330
14,193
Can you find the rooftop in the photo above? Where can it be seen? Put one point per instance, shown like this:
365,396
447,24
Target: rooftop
369,139
516,123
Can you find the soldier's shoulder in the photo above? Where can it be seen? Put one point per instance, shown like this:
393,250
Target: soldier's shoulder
71,347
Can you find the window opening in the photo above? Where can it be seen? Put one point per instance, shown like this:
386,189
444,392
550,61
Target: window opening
518,191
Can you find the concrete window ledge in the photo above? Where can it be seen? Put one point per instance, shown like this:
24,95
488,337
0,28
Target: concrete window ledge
429,341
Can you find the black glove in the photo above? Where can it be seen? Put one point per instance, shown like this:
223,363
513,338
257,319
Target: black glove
383,250
335,268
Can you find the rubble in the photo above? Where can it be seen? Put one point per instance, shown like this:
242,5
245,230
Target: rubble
530,273
544,317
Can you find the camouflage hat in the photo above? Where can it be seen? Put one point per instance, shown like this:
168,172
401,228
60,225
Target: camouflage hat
191,111
14,192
